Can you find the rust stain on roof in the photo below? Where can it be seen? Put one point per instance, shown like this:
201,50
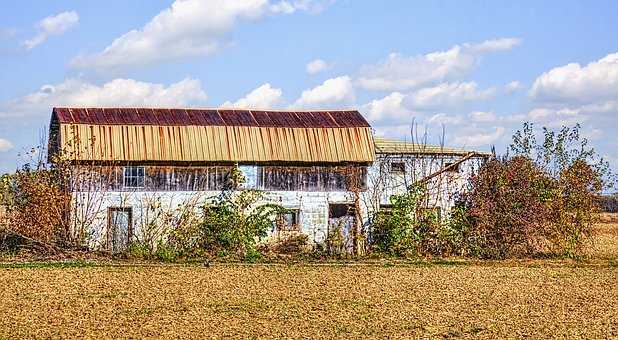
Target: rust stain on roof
210,117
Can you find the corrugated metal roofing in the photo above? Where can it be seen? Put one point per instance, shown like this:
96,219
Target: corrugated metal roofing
210,117
389,146
190,135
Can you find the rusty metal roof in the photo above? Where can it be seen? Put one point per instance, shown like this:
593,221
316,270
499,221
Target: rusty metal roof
210,117
211,135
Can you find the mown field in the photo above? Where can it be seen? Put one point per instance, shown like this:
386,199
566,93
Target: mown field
541,298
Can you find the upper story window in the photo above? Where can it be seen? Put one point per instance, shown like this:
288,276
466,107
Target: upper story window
134,177
398,168
312,178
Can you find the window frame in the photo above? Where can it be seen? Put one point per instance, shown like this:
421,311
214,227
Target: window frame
295,225
137,173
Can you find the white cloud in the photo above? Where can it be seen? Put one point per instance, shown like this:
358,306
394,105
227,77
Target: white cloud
513,86
387,109
399,72
502,44
445,119
118,92
188,28
447,95
476,138
572,83
333,91
5,145
52,25
483,117
316,66
265,96
552,117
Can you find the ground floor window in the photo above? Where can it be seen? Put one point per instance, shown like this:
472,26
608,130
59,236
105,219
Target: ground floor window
288,221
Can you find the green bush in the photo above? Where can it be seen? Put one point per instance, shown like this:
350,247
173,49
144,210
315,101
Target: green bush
402,230
165,252
232,223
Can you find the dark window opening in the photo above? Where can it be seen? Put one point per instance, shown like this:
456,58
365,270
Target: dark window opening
311,178
398,167
340,210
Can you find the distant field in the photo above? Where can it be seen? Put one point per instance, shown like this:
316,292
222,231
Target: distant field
535,299
605,241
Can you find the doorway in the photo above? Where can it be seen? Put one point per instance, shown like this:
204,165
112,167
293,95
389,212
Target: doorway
119,228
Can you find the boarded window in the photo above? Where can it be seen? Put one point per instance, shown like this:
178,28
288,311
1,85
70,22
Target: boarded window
312,178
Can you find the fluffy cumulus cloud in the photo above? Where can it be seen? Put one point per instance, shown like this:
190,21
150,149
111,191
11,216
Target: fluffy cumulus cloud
445,119
387,109
573,83
478,137
447,95
334,91
265,96
188,28
5,145
572,93
399,72
118,92
52,25
316,66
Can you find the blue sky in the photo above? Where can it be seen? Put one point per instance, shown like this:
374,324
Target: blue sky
477,68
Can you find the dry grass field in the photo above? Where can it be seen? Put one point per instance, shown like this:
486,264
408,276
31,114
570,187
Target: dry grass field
536,299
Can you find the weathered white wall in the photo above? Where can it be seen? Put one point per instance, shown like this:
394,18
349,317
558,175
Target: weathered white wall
148,207
155,210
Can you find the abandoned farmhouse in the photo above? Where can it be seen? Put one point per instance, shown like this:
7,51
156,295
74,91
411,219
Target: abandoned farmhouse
133,168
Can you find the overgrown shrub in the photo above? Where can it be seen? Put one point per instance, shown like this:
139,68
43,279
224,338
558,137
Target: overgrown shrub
544,199
403,229
509,206
35,205
231,223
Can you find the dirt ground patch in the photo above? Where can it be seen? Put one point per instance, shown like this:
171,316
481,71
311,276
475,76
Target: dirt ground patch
460,298
309,301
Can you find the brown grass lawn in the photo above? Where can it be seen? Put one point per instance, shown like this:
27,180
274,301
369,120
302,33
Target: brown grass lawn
488,300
